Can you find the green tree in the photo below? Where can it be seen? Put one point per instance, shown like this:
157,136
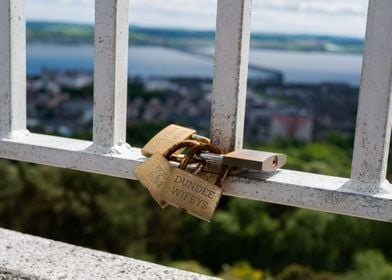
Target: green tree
299,272
11,186
241,271
369,264
81,208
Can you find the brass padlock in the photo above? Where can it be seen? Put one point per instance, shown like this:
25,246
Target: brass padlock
154,172
193,194
249,159
169,136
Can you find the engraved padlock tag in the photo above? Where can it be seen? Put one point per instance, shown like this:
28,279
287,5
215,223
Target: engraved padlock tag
166,138
153,174
191,193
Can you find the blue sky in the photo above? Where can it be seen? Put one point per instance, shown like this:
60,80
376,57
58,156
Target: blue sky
332,17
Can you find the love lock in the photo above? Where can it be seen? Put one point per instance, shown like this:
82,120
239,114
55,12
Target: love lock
154,172
190,193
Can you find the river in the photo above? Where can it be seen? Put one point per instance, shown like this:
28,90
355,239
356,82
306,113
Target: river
311,67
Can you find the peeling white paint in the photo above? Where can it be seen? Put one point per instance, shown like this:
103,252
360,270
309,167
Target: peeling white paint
373,131
230,73
12,68
110,74
317,192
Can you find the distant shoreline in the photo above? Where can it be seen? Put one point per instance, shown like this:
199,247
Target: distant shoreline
150,61
69,33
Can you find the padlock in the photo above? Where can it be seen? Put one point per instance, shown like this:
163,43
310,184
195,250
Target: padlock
204,149
190,193
169,136
249,159
154,172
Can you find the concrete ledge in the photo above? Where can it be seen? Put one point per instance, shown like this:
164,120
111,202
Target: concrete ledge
24,256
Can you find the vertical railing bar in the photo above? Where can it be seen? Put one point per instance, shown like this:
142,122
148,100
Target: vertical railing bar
12,68
230,73
110,73
373,129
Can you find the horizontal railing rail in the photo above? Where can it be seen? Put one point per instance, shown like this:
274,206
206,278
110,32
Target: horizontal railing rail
300,189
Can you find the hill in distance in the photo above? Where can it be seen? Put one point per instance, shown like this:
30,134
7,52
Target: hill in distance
70,33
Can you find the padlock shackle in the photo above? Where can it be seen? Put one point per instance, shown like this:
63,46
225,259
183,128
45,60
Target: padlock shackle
194,150
201,139
209,148
183,144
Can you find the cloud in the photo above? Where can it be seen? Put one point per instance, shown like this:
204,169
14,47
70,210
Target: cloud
333,17
60,10
338,17
331,7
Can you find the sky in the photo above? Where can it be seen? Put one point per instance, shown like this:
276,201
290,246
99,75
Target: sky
329,17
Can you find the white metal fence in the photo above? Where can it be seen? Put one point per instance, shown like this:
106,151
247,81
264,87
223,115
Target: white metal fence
366,194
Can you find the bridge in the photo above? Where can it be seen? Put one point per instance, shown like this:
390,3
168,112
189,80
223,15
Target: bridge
270,73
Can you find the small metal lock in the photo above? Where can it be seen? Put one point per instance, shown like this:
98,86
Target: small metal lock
154,172
194,193
190,193
249,159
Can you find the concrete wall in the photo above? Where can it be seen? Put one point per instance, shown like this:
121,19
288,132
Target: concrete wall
24,256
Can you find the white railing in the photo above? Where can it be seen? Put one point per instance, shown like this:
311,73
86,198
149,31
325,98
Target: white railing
367,194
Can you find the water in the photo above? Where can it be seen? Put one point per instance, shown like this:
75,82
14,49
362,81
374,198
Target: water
160,61
312,66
